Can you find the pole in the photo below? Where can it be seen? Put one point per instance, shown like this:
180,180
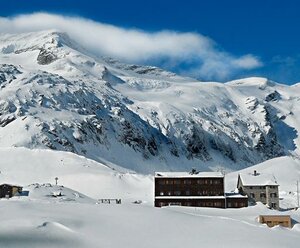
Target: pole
297,193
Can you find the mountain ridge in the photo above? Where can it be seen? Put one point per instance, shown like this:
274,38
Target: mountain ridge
56,96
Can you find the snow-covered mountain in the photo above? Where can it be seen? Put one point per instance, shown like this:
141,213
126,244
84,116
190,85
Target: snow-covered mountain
56,95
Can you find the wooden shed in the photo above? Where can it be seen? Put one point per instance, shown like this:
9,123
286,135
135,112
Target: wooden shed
9,190
274,220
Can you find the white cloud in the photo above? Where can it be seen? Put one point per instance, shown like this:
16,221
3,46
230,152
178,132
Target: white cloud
206,60
247,61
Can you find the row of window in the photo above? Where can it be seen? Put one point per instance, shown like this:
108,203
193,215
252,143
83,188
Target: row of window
198,204
262,187
188,181
256,187
236,204
272,187
263,195
188,192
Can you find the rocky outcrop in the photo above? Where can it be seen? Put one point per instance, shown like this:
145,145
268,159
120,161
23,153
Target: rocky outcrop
46,57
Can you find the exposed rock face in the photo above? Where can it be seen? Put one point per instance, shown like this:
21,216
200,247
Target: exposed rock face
7,74
274,96
46,57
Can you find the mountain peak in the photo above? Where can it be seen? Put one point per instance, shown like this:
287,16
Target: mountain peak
22,42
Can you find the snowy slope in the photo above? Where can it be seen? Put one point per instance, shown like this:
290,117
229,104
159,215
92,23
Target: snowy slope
51,193
286,170
36,171
55,95
25,167
33,224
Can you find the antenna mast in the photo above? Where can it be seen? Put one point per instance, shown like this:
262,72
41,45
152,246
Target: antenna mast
298,193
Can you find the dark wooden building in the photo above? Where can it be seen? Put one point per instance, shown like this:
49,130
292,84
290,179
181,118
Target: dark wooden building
8,190
204,189
235,200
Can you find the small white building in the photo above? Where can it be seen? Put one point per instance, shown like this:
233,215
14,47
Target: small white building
259,187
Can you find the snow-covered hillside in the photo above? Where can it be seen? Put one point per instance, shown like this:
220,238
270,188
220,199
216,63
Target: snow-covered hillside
37,169
30,168
55,95
30,224
70,215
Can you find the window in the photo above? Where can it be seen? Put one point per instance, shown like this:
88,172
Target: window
161,182
169,181
273,205
273,195
199,181
187,181
187,192
177,193
177,182
217,182
250,187
262,195
262,187
252,195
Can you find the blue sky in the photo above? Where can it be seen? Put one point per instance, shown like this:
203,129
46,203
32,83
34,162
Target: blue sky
268,31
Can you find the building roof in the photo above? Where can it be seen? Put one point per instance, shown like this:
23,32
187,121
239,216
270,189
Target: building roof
12,185
188,174
235,195
260,179
275,215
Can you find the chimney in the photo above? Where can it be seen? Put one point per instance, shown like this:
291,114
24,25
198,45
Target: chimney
255,173
194,171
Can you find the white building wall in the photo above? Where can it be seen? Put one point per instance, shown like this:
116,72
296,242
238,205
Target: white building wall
263,194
